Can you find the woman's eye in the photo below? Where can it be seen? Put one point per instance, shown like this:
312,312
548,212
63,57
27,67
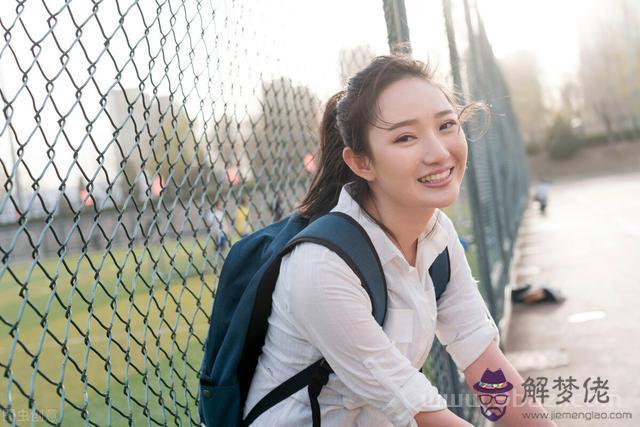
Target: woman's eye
404,138
448,125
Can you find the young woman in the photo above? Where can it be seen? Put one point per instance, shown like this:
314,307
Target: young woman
392,154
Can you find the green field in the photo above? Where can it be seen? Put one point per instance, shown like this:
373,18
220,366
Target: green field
144,312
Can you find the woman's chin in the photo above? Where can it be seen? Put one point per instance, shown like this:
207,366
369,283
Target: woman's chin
442,200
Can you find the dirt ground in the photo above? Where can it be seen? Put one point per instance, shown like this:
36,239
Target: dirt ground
623,157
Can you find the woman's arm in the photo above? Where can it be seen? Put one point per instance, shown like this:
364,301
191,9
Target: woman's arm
493,359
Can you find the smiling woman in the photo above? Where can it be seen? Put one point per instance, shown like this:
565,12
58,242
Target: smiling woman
393,154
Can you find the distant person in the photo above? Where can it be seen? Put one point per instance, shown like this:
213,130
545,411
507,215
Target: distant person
243,228
542,195
277,208
218,225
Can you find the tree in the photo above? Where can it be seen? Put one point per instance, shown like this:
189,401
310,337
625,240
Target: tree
522,72
176,149
562,142
285,131
353,60
610,65
227,148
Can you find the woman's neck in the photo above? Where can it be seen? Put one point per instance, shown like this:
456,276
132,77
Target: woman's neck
405,224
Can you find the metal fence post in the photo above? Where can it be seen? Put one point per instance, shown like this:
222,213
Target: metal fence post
397,26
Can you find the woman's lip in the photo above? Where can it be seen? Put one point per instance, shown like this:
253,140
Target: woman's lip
442,183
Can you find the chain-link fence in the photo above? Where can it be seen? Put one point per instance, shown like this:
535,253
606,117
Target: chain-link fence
131,132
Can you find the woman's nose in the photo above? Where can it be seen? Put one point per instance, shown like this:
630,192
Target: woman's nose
435,150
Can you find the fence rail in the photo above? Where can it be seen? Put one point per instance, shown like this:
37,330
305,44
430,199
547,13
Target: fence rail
125,122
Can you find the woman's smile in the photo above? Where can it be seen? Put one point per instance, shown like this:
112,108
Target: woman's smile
437,179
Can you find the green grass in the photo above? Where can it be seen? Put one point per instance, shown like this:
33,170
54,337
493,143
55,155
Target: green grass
154,303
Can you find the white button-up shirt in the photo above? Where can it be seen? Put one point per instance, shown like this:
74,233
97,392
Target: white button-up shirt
320,309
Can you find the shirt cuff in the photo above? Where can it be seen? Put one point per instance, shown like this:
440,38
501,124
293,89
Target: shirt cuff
464,351
416,395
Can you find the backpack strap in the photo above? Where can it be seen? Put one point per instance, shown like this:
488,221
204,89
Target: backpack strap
291,386
440,272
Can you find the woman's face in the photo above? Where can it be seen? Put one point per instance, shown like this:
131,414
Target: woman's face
419,158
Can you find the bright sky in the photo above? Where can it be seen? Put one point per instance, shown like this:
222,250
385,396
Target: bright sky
262,40
245,43
548,28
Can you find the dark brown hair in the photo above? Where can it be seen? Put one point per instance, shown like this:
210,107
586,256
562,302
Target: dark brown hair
345,123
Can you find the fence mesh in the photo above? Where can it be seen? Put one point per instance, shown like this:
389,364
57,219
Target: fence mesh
132,131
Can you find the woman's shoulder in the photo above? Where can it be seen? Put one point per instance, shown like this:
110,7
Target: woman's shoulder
310,256
314,265
312,272
445,222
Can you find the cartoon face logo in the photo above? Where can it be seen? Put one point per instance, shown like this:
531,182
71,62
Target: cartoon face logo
493,388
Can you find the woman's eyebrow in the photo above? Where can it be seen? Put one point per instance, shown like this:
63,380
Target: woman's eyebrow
401,124
443,113
414,121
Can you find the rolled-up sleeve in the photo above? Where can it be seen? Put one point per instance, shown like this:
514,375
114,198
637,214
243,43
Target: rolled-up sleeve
333,310
464,325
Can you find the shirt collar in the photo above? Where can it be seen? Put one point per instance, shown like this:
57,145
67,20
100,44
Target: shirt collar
434,237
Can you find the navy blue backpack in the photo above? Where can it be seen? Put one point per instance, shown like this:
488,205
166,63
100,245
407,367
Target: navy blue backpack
242,305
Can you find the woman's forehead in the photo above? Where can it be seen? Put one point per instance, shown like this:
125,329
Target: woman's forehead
409,98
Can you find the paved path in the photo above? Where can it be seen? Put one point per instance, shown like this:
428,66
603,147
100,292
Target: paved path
588,246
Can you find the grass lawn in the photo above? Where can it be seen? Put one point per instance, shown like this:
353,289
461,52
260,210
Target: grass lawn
144,312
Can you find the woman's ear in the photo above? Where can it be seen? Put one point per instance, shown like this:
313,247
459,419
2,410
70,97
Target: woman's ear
359,164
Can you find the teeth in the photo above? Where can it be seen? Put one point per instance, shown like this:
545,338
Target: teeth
435,177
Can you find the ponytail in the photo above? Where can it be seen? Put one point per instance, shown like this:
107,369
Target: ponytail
332,172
